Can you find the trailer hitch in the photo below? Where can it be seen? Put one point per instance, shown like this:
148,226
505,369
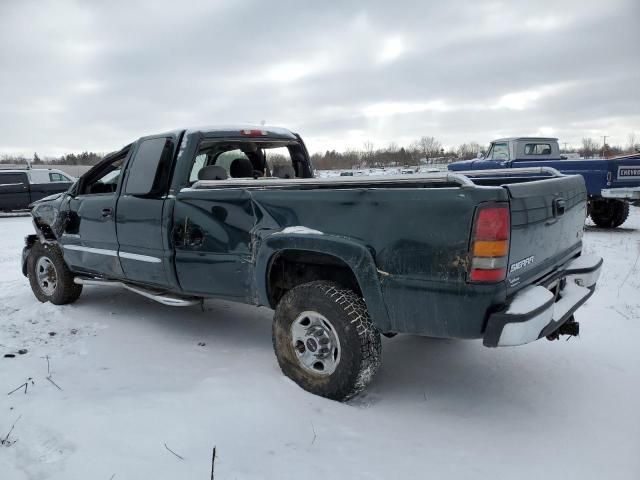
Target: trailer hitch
570,328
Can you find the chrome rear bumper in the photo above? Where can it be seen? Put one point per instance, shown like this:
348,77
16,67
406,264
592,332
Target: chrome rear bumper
622,193
538,311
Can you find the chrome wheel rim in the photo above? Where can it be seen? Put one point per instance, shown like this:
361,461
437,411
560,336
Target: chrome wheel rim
315,343
47,275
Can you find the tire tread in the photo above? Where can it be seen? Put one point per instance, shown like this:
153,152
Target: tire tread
609,213
347,385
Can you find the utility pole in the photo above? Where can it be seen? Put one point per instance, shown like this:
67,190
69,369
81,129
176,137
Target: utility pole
604,144
565,147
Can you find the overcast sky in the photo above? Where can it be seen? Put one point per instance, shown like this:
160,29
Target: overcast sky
95,75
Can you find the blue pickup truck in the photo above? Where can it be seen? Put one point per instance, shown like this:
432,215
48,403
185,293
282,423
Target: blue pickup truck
612,184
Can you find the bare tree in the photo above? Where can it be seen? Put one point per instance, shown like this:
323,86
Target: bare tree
368,153
467,151
353,158
632,145
428,147
589,148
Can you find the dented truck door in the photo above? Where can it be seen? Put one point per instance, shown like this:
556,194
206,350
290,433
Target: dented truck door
212,241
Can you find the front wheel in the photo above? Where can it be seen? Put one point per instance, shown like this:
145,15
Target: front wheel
325,341
49,277
609,213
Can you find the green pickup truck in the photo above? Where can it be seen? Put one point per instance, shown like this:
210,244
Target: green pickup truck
236,213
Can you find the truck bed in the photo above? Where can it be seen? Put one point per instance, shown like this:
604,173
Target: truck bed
421,241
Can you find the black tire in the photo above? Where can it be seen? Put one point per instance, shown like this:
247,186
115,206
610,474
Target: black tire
360,349
608,213
64,290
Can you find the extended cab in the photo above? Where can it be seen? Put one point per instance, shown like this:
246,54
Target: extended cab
236,213
612,184
20,187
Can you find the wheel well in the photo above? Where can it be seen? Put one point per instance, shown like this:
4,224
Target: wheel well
45,230
291,268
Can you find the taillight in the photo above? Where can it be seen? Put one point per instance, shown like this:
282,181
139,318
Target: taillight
253,133
490,243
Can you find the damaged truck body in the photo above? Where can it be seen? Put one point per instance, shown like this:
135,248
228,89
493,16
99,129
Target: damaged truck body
235,213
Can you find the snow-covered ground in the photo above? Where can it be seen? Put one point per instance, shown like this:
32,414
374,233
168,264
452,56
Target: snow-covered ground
136,376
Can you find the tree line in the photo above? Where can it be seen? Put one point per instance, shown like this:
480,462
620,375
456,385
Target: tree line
425,150
84,158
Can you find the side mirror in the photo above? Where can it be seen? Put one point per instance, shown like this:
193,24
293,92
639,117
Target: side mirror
480,155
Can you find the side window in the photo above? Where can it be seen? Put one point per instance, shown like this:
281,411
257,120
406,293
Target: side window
57,177
12,179
537,149
499,151
149,168
105,180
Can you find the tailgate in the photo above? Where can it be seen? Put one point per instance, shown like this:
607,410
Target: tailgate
624,172
547,222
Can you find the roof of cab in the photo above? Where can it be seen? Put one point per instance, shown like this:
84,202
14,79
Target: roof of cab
217,131
535,139
236,131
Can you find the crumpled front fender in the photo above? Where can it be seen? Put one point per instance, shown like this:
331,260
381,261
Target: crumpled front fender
29,240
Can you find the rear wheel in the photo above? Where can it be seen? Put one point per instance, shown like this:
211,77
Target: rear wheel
325,341
49,277
608,213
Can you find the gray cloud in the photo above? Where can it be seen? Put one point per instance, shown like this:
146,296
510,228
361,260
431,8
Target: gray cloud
95,75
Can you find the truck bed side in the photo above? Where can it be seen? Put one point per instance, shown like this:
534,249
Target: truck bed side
419,237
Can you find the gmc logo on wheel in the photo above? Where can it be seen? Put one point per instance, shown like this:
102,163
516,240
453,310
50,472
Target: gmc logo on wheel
630,173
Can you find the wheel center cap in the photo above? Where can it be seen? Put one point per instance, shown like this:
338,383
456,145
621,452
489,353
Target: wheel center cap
312,345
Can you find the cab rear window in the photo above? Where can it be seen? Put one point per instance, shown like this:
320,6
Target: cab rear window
537,149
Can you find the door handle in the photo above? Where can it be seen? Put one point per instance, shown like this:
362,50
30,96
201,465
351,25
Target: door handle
559,207
107,212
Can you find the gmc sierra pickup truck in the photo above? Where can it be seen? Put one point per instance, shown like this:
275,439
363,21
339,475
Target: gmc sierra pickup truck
236,213
612,184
